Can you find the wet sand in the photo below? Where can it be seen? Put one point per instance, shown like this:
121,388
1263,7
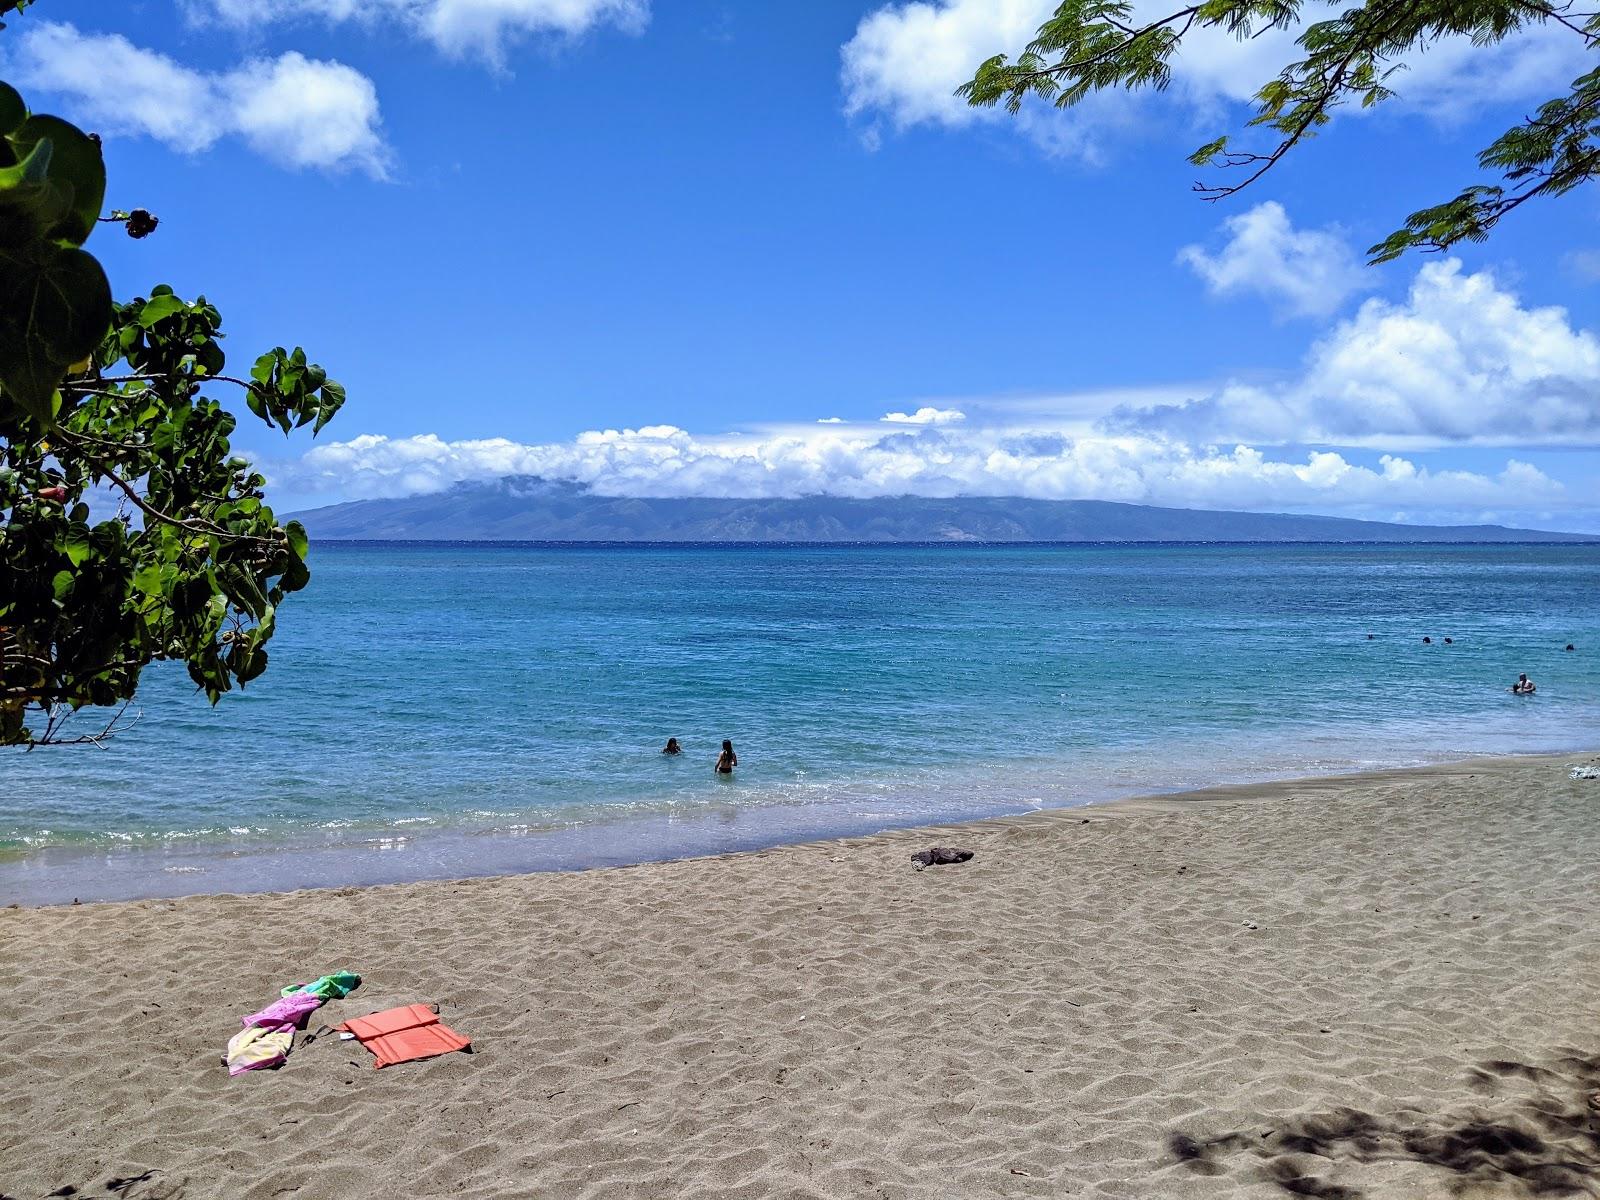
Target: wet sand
1375,986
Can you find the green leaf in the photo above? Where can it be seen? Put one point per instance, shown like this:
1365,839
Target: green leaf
299,543
33,168
55,307
147,579
13,112
261,372
159,308
31,204
332,402
75,543
76,162
295,576
248,662
1209,151
208,356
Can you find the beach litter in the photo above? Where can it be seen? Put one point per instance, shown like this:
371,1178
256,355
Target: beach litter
405,1034
268,1035
939,856
1586,772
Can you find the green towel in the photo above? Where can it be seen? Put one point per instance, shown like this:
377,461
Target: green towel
330,987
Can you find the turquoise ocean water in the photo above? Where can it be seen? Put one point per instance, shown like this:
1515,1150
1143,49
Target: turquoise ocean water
446,710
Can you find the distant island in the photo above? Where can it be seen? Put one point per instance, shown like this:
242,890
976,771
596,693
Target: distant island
527,508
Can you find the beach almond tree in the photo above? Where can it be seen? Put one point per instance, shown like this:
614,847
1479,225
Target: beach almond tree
179,557
1352,57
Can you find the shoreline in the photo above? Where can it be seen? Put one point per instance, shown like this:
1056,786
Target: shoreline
584,847
1341,981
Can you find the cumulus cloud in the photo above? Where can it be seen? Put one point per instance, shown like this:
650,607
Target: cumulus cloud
293,110
907,58
486,29
1461,360
1306,272
925,416
859,461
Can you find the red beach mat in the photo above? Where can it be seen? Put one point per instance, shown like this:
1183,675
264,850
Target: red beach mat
405,1034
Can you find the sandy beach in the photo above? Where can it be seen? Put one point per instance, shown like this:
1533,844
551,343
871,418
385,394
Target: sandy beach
1376,986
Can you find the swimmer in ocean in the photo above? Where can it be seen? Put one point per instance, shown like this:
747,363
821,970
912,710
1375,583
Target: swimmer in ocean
727,760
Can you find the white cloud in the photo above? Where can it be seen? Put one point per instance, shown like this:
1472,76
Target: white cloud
906,59
925,416
1453,80
830,420
487,29
859,461
1309,272
1460,361
296,111
305,113
461,27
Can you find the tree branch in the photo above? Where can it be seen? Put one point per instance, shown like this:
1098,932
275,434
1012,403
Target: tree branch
1324,98
127,489
1064,67
57,716
250,384
1551,13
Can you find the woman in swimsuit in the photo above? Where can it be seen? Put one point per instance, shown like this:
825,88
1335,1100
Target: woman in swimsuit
727,760
672,747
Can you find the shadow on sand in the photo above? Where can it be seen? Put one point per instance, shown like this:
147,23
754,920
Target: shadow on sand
144,1186
1542,1141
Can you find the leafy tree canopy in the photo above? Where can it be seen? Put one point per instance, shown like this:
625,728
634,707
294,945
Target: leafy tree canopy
1349,58
102,398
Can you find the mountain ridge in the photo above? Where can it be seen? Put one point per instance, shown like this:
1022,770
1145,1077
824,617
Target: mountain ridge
528,508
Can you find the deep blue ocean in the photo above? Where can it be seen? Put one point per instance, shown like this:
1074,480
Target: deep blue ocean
446,710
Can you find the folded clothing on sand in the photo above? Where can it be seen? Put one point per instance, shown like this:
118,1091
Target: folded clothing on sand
268,1035
330,987
404,1034
255,1047
286,1013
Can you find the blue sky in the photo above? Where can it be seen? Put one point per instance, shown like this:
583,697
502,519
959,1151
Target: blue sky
652,244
